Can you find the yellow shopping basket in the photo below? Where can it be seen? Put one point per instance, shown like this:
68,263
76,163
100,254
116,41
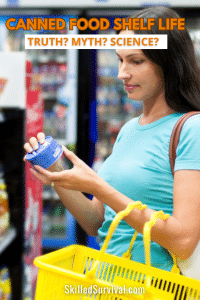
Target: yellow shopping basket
79,272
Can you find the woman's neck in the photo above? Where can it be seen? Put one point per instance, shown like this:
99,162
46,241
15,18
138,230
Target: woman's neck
154,113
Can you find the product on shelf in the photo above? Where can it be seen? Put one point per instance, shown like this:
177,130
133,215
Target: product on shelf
46,220
114,108
58,220
49,121
54,219
5,284
4,208
114,100
48,74
60,122
102,100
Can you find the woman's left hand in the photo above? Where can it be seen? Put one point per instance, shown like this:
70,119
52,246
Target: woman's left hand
80,178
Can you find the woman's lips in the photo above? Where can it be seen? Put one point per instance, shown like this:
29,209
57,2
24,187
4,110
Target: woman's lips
130,87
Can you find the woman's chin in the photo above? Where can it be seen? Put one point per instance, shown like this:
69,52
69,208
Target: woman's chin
132,97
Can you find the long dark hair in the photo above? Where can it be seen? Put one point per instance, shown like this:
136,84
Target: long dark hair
178,62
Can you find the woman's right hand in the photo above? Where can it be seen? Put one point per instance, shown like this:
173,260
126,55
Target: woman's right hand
33,142
32,145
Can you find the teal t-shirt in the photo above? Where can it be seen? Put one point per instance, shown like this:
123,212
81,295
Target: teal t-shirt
139,168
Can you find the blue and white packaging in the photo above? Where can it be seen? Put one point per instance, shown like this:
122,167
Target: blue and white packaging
46,155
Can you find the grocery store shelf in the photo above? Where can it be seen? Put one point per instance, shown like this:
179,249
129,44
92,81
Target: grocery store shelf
7,238
62,241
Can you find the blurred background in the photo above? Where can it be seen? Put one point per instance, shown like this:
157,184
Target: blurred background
73,96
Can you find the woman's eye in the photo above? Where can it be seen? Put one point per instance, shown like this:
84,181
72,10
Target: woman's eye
119,59
137,62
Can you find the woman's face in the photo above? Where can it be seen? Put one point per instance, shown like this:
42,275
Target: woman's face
143,80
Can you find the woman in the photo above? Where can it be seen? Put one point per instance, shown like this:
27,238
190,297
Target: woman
138,168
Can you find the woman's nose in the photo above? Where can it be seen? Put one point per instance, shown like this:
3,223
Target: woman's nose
124,73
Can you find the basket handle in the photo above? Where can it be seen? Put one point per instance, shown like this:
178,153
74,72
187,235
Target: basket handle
113,226
147,238
118,218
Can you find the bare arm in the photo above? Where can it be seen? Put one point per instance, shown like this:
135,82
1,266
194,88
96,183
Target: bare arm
89,214
179,234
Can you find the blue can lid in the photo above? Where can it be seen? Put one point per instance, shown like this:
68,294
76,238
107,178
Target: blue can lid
46,155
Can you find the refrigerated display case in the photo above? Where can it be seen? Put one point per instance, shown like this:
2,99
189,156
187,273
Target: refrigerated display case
21,241
11,241
60,122
49,77
33,196
54,73
12,123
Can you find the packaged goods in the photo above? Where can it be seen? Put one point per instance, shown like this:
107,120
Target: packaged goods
4,208
5,284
